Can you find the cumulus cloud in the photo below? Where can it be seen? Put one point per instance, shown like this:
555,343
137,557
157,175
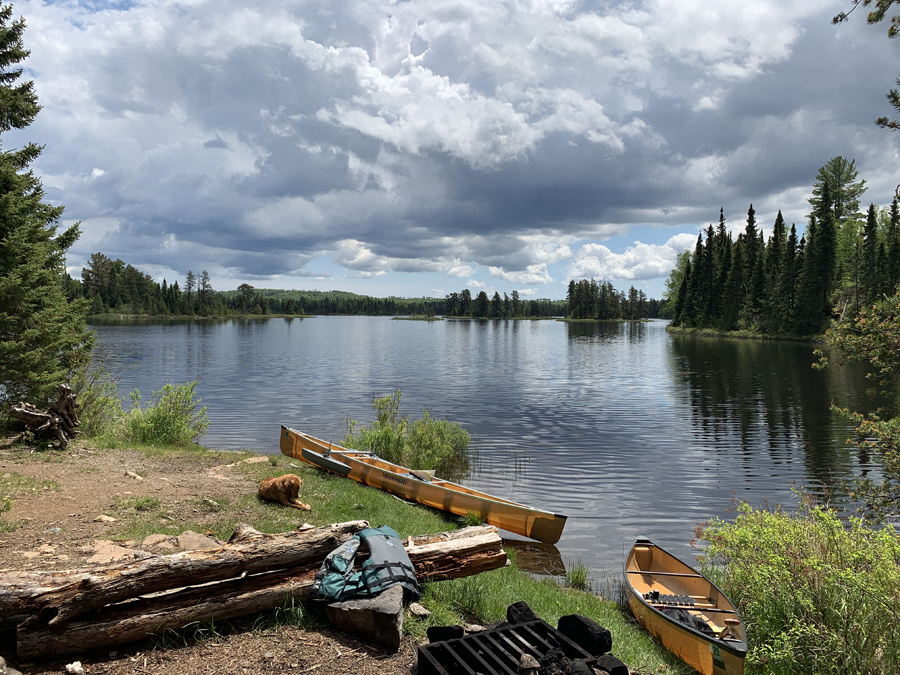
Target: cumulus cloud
641,261
421,137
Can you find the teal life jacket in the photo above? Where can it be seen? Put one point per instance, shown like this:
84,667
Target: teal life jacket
388,565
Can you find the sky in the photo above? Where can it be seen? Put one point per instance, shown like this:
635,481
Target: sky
418,148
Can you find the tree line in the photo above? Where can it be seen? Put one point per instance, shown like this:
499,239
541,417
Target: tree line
588,299
784,285
112,286
512,306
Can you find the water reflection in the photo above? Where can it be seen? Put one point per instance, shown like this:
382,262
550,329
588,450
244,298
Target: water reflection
628,430
764,400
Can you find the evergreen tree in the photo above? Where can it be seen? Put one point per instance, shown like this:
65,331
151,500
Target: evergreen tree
870,280
893,248
733,298
844,190
692,312
774,272
43,337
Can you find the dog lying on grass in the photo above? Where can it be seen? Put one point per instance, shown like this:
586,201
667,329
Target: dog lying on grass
284,490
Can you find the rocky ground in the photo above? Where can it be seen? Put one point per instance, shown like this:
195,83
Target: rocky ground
60,519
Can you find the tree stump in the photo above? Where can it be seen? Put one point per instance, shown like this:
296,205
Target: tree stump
59,421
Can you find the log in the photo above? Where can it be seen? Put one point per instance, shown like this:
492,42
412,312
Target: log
436,558
247,555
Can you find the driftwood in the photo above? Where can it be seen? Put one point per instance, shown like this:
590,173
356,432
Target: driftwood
87,609
59,421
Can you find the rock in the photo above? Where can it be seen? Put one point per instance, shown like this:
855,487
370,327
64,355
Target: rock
443,633
53,530
192,541
75,668
586,633
106,551
378,620
528,665
520,612
612,665
473,628
417,610
154,540
104,519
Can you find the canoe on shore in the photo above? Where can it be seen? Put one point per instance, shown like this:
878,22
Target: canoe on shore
423,487
684,611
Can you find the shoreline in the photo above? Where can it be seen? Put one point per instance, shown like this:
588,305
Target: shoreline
58,495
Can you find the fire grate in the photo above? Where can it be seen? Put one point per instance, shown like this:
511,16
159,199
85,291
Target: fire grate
497,651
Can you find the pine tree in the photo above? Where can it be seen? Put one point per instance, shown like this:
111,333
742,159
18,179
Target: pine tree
44,338
733,298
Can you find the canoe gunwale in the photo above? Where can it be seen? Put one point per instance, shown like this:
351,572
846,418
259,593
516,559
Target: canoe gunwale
737,648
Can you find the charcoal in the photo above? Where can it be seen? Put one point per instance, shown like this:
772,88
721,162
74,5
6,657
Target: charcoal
520,612
586,633
442,633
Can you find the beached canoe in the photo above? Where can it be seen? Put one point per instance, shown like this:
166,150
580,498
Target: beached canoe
684,611
423,487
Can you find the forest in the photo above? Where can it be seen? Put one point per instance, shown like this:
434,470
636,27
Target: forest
782,286
112,286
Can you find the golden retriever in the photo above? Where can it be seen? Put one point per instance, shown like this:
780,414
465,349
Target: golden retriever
284,490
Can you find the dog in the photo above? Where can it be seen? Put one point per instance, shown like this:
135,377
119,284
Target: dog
284,490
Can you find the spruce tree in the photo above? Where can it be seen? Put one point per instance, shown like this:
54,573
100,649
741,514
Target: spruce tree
893,248
870,279
43,337
733,298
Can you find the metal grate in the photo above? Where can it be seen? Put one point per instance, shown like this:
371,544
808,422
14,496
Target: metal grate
497,651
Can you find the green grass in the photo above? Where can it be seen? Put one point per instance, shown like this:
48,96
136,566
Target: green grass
12,484
578,576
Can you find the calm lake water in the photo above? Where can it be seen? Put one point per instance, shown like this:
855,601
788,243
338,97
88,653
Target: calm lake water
625,428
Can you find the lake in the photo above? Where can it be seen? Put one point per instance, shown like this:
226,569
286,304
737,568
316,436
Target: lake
628,430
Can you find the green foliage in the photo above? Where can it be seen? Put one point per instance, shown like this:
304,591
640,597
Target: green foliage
873,336
817,594
43,337
99,405
172,417
427,443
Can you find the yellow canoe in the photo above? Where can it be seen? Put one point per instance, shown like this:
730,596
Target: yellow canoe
684,611
422,487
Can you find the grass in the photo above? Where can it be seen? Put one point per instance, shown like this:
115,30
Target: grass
12,484
578,576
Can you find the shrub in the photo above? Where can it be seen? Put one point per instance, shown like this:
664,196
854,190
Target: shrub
817,594
99,406
427,443
171,418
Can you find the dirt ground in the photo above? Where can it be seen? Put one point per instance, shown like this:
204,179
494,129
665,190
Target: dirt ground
57,529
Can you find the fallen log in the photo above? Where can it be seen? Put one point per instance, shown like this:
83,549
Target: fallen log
436,557
249,552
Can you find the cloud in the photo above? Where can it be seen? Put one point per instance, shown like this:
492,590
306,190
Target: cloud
426,137
533,274
641,261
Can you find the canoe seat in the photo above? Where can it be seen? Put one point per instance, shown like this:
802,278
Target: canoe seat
667,599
